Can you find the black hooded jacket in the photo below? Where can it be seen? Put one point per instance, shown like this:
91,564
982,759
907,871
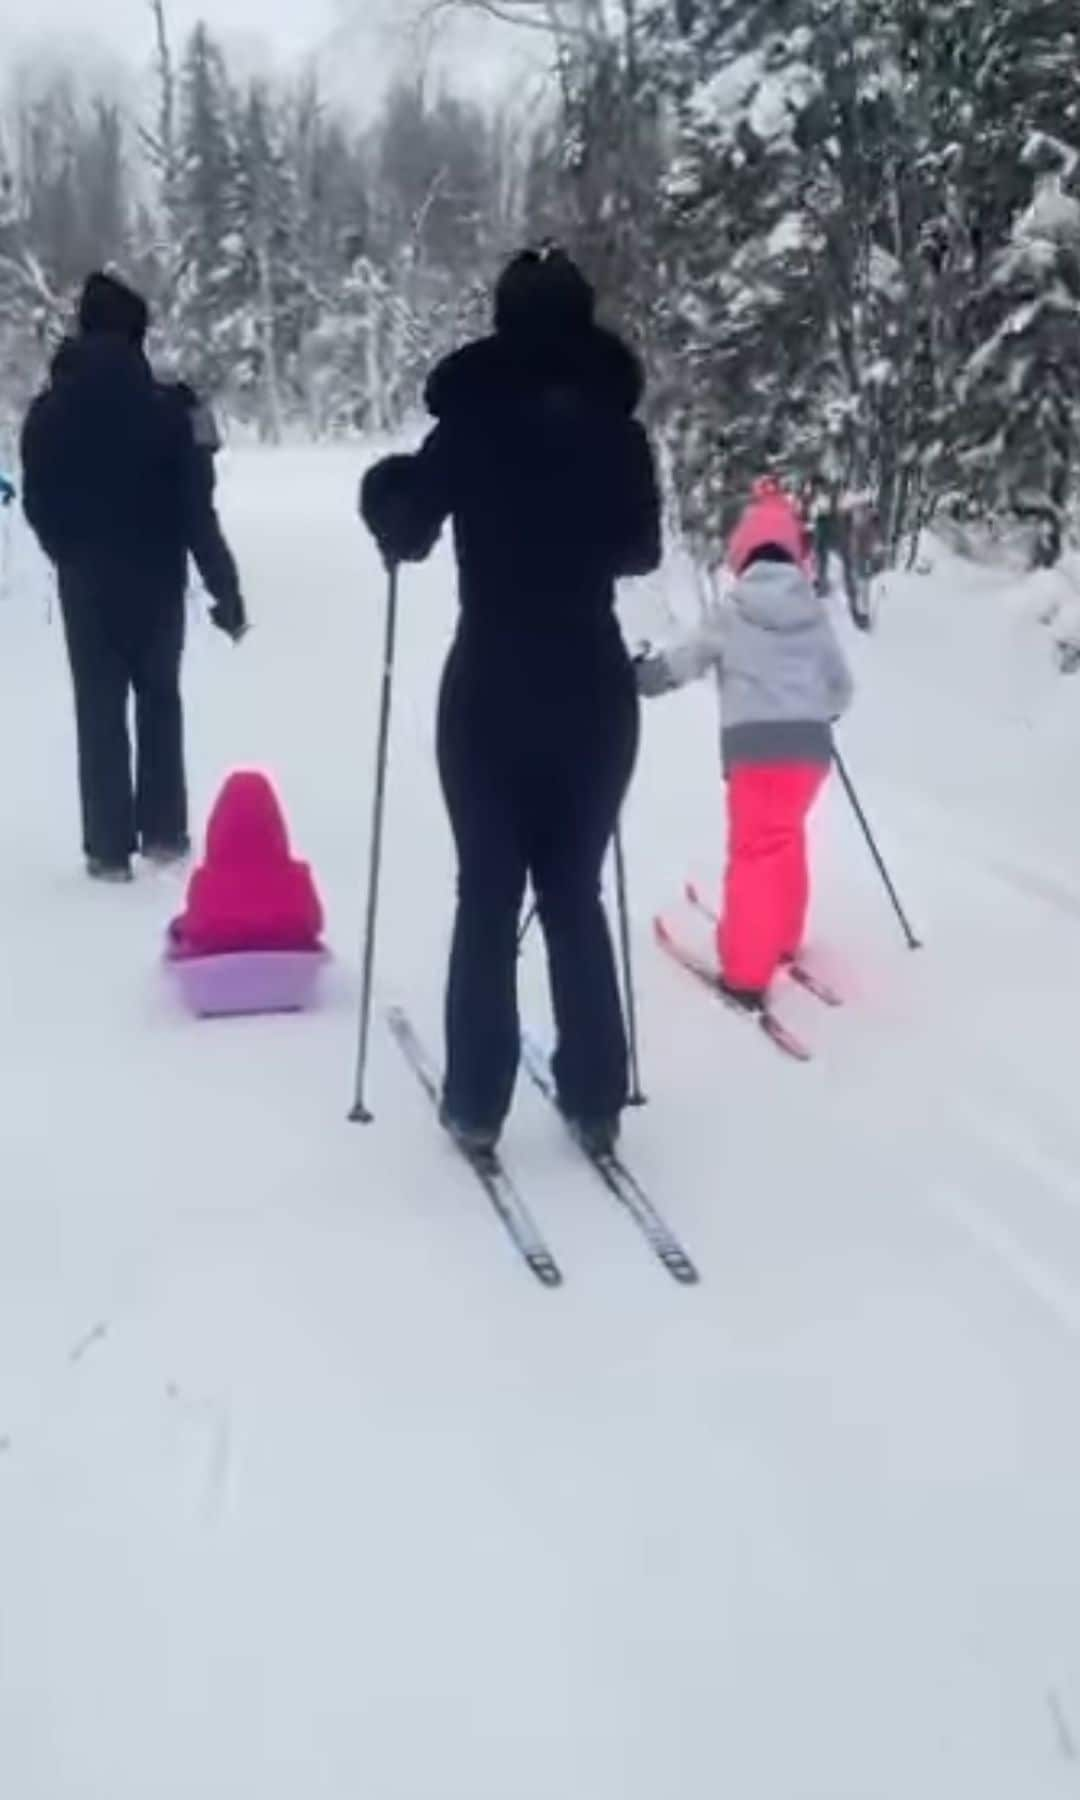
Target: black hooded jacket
549,480
114,480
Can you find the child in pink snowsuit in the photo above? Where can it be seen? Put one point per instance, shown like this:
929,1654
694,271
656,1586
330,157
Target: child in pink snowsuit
250,894
783,682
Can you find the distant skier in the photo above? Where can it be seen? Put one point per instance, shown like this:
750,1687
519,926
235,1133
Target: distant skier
550,483
846,525
7,490
783,682
818,509
119,490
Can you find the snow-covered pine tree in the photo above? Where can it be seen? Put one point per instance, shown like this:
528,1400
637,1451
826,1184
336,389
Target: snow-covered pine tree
158,230
983,80
1025,81
435,231
72,182
796,271
612,84
65,207
745,316
364,342
209,256
332,231
464,235
20,306
264,205
923,200
1018,447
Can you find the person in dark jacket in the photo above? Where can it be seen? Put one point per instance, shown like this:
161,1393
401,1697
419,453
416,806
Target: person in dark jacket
119,491
549,480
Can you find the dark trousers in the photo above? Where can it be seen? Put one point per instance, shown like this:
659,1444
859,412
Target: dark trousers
120,645
534,780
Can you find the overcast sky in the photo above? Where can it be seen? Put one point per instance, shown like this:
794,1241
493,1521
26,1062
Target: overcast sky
354,41
125,26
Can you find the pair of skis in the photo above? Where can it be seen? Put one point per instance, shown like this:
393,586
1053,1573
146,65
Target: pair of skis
502,1190
703,970
500,1187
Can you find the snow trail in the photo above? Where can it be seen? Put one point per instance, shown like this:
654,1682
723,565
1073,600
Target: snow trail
306,1488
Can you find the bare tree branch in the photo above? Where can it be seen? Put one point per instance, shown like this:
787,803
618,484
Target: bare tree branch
554,18
25,267
508,14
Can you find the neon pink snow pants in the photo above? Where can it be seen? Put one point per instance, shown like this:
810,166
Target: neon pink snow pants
767,888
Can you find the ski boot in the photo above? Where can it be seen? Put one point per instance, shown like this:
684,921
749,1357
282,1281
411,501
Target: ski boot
596,1137
478,1142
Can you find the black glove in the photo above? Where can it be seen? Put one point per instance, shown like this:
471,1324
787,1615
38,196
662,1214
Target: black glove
230,617
390,510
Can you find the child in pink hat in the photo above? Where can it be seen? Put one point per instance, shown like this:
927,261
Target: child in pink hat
783,683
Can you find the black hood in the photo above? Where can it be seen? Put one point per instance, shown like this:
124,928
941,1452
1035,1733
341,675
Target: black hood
594,366
101,358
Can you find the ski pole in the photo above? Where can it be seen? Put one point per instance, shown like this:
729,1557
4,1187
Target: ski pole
361,1113
637,1097
913,943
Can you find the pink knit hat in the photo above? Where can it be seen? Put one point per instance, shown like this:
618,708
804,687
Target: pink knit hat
772,517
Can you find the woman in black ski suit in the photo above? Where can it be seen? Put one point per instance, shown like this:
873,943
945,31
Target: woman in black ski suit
549,480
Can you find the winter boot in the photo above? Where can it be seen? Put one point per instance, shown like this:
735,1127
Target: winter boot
118,873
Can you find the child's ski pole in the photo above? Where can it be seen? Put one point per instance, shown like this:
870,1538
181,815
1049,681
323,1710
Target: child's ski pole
913,943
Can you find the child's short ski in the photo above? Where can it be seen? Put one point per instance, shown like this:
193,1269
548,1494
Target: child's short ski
486,1165
811,983
619,1181
766,1020
794,968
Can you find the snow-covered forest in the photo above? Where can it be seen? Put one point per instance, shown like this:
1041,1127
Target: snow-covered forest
846,232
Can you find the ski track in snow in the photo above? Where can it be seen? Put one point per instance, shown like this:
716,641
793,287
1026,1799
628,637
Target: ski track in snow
307,1488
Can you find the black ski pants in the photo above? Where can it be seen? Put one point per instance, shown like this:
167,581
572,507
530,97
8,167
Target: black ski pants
126,638
534,773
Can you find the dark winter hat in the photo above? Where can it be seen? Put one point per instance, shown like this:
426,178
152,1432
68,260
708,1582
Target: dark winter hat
543,293
108,305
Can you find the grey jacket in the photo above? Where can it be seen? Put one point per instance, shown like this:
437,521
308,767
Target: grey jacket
782,674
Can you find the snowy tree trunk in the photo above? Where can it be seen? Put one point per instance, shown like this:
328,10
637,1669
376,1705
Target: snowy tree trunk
374,395
272,421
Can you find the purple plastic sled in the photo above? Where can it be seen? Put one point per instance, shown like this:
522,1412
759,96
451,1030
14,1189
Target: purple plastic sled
256,981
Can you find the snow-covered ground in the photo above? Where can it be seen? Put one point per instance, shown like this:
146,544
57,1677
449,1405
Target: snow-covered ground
306,1489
